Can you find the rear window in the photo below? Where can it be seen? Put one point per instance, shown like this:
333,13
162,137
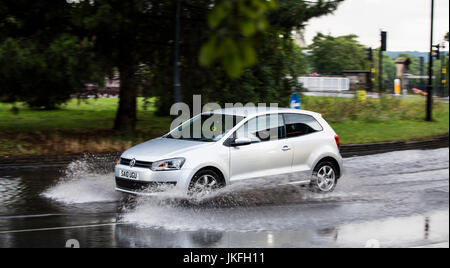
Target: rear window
300,124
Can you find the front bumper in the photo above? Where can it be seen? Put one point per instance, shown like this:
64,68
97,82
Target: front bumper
136,187
152,182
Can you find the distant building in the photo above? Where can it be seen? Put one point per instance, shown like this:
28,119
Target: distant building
111,87
359,79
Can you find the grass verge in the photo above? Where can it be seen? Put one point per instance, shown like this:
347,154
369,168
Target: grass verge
85,127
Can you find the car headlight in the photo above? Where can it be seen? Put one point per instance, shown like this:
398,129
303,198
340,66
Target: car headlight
169,164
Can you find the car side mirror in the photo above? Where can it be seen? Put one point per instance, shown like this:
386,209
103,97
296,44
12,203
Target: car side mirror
241,142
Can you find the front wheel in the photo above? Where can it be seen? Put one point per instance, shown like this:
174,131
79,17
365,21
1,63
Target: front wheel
204,183
324,178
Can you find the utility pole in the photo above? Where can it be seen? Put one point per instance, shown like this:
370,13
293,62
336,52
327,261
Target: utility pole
369,76
429,108
380,72
443,72
382,49
444,76
422,72
176,62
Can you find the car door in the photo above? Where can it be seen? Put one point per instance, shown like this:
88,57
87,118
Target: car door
304,133
268,154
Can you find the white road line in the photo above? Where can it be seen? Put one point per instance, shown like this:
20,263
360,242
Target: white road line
32,216
61,228
440,245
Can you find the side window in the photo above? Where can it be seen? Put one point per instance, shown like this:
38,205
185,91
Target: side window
300,124
263,128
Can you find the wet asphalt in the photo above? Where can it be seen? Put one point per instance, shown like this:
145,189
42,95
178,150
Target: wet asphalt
397,199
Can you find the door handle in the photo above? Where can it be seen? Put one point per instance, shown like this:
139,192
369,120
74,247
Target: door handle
286,148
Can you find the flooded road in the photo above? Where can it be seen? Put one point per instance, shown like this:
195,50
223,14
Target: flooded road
396,199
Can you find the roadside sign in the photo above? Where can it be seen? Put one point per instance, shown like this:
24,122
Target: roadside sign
295,102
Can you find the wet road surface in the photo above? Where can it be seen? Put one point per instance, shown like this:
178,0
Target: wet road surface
396,199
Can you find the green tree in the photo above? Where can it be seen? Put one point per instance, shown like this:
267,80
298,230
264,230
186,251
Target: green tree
333,55
265,81
80,40
42,61
126,34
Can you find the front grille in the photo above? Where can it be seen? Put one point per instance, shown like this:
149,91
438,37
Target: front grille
133,185
141,164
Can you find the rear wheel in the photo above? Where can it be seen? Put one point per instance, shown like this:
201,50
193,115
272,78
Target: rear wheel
204,183
324,178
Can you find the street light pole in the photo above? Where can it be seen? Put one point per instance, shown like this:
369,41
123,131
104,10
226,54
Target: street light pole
383,48
380,72
429,108
176,71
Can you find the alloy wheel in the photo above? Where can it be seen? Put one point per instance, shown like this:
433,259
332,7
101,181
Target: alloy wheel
326,178
204,185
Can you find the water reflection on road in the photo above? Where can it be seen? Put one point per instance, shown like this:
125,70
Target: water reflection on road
395,199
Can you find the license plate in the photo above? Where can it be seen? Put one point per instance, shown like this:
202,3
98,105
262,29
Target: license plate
128,174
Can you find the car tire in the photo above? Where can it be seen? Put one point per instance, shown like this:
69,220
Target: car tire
204,183
324,178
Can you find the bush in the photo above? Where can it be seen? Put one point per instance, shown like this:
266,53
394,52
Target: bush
338,110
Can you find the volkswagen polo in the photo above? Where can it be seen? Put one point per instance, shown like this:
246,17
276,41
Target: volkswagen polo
223,147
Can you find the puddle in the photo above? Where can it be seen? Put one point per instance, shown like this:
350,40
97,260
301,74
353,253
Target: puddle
429,228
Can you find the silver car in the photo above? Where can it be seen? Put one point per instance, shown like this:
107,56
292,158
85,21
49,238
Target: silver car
242,144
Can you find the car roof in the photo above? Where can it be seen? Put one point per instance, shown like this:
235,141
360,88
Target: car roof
255,111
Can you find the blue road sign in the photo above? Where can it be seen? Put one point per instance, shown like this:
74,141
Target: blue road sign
295,102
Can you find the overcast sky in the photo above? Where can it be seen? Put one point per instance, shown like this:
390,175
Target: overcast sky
407,22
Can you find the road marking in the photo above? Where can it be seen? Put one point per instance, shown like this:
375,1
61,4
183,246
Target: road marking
32,216
51,215
61,228
440,245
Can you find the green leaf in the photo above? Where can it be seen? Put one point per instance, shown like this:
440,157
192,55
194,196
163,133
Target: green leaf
233,66
249,54
219,12
248,28
208,52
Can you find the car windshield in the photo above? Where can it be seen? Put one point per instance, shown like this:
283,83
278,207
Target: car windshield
209,127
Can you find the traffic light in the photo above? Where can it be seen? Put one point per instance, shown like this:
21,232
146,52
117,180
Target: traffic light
437,52
369,54
383,40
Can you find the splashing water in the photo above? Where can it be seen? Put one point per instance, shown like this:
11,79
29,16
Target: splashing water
84,182
241,208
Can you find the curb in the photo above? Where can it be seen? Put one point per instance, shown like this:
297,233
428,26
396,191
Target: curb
52,161
386,147
346,151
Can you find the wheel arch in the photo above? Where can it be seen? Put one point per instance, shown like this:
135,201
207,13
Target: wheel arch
333,161
214,169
